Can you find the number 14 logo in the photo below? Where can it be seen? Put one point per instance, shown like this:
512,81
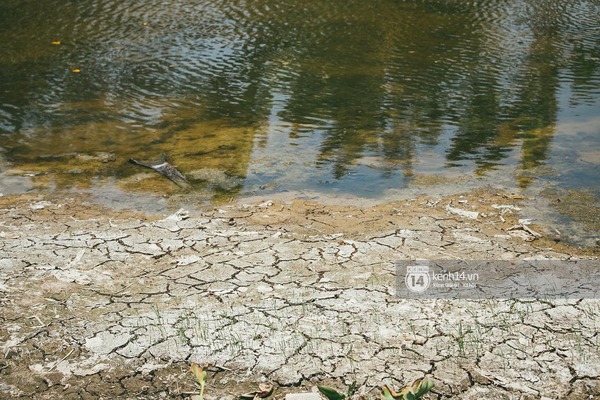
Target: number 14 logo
417,278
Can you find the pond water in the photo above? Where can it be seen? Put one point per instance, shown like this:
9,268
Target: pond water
373,99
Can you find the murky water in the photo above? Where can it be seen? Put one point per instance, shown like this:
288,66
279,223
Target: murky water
365,98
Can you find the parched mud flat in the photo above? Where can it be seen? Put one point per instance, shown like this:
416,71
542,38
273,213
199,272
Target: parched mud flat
105,304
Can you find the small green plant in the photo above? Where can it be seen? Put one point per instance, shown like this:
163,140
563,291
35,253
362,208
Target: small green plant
333,394
418,389
200,375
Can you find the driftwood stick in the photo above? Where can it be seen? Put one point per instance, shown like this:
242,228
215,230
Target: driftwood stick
167,170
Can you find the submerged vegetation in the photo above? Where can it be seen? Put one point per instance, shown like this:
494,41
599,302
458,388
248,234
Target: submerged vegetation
581,206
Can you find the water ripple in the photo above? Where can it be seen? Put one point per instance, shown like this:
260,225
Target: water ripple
360,73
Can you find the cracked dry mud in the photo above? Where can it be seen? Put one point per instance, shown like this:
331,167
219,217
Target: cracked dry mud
105,304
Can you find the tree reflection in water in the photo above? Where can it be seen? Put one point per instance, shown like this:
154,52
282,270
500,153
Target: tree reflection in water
211,83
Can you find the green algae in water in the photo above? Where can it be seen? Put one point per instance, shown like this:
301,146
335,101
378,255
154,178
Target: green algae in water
581,206
434,180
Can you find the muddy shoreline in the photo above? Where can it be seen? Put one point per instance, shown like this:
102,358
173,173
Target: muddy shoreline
103,303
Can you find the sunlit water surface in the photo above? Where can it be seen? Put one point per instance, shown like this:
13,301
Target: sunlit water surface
365,100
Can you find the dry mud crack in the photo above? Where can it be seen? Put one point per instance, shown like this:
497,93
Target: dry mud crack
106,304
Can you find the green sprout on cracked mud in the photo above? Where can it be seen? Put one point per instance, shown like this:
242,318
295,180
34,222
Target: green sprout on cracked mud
413,392
418,389
264,389
200,375
333,394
